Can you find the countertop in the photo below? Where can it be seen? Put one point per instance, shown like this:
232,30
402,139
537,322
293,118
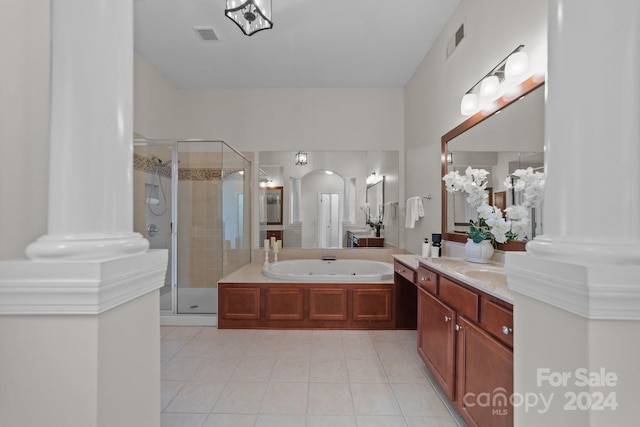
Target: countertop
451,266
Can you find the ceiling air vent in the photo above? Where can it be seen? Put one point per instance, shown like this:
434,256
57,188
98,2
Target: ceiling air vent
455,40
206,34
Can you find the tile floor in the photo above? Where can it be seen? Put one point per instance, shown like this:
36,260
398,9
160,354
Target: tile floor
238,378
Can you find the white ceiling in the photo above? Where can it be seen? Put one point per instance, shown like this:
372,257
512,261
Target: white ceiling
313,43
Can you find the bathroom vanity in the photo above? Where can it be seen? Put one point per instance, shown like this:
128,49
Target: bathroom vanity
465,335
363,239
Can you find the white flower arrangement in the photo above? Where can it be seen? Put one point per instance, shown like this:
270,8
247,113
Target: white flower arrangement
492,224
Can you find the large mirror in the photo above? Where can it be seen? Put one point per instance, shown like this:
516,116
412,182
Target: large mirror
273,202
375,200
505,137
328,195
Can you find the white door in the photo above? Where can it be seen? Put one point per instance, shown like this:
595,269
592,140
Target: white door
329,220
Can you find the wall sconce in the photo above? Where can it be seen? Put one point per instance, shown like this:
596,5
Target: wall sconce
449,158
301,158
373,179
250,15
510,68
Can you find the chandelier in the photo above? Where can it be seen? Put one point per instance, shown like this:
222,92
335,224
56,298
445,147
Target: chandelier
251,15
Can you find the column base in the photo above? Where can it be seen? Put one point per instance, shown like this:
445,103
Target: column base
78,287
86,247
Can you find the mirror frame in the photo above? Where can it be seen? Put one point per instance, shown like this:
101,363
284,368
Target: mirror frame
529,85
280,189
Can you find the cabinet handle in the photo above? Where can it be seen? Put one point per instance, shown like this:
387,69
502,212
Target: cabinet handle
458,328
447,318
506,330
425,279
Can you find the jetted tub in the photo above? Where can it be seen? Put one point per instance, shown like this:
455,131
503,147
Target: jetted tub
343,270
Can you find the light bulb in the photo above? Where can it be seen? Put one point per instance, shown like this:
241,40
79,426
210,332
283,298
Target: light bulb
489,86
469,104
517,64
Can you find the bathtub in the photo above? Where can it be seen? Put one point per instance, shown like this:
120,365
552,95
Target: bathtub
344,270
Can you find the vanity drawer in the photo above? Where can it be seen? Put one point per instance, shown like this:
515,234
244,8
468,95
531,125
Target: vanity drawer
404,271
427,280
498,321
464,300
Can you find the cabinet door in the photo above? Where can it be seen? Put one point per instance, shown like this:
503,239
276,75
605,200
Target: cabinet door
328,304
436,339
373,304
239,303
284,304
484,377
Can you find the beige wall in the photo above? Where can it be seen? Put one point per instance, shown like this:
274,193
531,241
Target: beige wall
24,123
432,97
293,119
154,102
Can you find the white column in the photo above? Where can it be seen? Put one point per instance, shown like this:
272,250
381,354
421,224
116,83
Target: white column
346,211
83,311
296,197
91,152
592,147
576,290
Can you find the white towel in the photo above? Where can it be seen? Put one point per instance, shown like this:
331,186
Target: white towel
414,211
386,214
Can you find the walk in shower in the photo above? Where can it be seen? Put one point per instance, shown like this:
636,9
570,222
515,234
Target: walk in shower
193,198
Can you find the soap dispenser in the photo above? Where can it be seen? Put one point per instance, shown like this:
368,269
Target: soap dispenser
426,248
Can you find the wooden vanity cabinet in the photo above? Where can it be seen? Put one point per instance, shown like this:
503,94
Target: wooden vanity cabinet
355,241
436,339
484,367
465,339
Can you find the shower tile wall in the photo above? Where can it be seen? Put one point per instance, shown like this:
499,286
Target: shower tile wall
199,228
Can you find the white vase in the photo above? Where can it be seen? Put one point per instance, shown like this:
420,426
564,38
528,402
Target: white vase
479,252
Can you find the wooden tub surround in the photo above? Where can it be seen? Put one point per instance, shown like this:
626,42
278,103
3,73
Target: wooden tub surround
249,299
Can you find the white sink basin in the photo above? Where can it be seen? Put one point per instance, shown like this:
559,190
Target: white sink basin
483,273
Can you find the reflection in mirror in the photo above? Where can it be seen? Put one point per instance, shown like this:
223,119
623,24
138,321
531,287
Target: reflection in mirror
375,206
273,205
499,141
331,190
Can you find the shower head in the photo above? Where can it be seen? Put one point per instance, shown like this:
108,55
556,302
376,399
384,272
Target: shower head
162,163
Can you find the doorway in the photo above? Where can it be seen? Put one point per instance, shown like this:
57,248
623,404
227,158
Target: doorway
329,220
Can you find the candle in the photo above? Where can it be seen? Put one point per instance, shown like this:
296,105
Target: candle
275,246
266,244
279,244
273,241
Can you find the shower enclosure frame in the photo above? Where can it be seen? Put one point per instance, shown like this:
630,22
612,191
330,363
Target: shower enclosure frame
174,144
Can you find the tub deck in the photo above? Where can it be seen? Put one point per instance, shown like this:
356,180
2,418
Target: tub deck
249,299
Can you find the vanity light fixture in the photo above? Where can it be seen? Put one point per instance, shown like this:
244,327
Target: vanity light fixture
510,68
469,104
449,158
373,179
301,158
250,15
